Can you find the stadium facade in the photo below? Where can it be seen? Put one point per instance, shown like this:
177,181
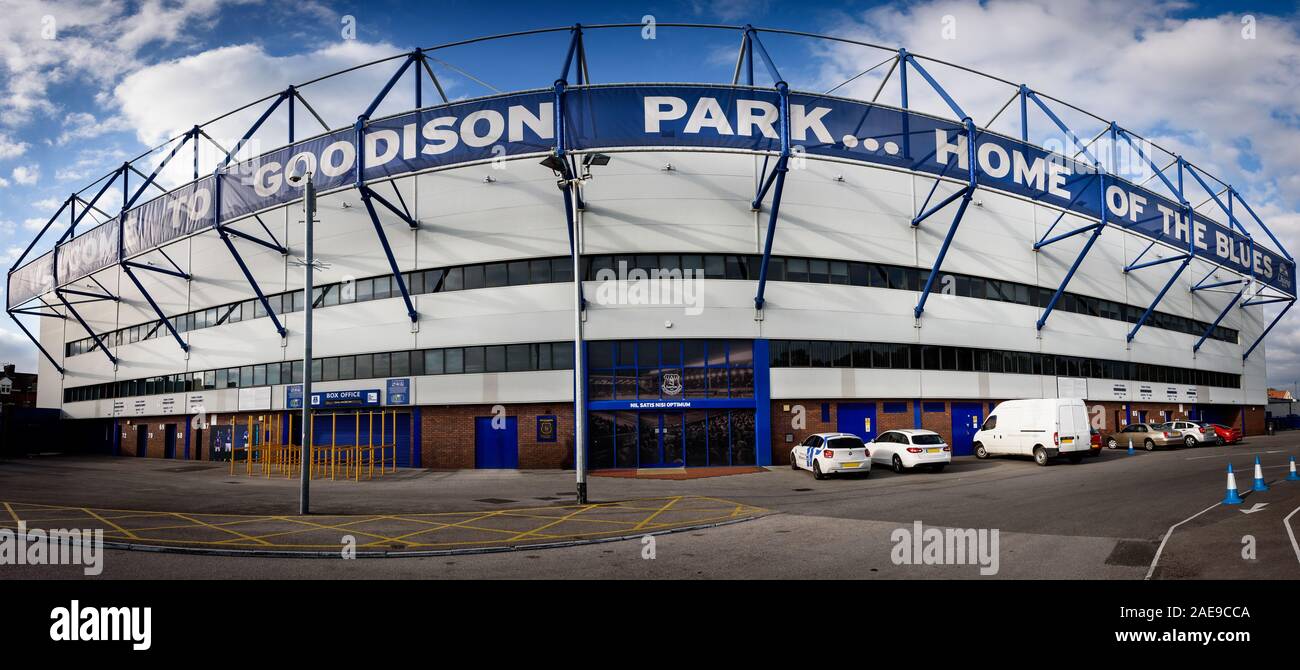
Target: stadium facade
757,264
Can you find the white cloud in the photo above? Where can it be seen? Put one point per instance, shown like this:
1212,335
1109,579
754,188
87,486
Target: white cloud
11,148
163,100
4,183
83,126
35,224
26,175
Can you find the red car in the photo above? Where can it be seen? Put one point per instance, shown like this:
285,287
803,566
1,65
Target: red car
1095,448
1226,434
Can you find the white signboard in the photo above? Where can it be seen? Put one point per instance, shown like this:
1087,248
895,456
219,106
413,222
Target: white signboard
1145,392
1071,387
255,398
1108,390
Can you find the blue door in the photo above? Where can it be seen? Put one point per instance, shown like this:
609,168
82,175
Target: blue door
858,419
496,448
966,419
169,441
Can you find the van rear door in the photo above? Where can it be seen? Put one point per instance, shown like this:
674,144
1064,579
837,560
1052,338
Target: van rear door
1073,421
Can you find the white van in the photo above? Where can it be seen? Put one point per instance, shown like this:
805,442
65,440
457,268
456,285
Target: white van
1041,428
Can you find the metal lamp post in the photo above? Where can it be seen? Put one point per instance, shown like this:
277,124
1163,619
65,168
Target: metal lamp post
571,182
309,264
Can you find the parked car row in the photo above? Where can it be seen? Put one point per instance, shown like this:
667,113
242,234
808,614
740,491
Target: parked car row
1171,434
840,453
1041,428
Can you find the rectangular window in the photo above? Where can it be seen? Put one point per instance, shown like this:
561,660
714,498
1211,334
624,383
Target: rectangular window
517,273
399,363
933,407
329,369
495,275
894,407
433,362
474,360
365,366
382,364
454,280
517,358
384,287
454,361
474,277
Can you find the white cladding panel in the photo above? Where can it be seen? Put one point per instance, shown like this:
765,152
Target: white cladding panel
830,209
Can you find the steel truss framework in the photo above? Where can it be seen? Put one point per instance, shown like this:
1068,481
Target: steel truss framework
771,182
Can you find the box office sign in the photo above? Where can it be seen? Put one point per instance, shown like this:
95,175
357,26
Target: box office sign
328,399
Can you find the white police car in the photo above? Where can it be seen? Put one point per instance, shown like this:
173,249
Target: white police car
907,449
831,453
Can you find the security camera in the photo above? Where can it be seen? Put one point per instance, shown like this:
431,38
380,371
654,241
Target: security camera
297,174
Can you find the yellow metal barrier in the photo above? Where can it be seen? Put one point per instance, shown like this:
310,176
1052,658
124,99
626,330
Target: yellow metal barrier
266,454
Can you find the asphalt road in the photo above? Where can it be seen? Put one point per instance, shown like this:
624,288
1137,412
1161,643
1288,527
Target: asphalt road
1104,518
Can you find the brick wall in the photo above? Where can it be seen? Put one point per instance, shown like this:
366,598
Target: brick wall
447,435
783,416
156,439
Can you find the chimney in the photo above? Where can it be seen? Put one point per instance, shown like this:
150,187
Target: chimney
9,369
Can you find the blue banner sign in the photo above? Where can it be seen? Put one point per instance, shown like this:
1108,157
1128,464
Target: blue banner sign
646,116
327,399
399,391
293,396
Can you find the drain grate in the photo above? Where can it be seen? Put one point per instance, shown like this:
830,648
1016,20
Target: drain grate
495,501
800,490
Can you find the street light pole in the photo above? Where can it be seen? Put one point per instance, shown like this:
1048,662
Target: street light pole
579,373
308,266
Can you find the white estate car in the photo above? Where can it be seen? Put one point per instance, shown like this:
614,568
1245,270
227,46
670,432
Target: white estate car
831,453
1192,433
906,449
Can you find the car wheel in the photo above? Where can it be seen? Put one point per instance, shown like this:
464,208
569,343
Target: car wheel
980,452
1112,444
817,471
898,464
1076,458
1094,452
1150,445
1189,441
937,467
794,462
1040,455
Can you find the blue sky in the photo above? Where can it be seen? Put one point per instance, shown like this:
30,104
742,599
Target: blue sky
118,77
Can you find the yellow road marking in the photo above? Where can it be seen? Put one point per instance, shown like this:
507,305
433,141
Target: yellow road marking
557,522
661,510
224,530
119,528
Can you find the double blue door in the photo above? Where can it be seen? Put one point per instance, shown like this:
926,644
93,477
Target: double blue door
858,419
496,446
967,417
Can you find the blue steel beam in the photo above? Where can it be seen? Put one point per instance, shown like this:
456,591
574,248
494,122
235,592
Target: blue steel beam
1158,172
99,342
44,228
1232,220
778,185
151,268
1060,124
230,155
1187,260
1074,267
1209,329
1260,221
37,312
1160,261
1262,335
400,213
252,282
1043,241
36,342
87,294
952,104
1265,301
366,195
156,309
254,239
966,194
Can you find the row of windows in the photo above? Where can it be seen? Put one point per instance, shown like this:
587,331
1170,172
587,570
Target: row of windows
877,275
445,361
670,369
712,266
438,280
827,354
